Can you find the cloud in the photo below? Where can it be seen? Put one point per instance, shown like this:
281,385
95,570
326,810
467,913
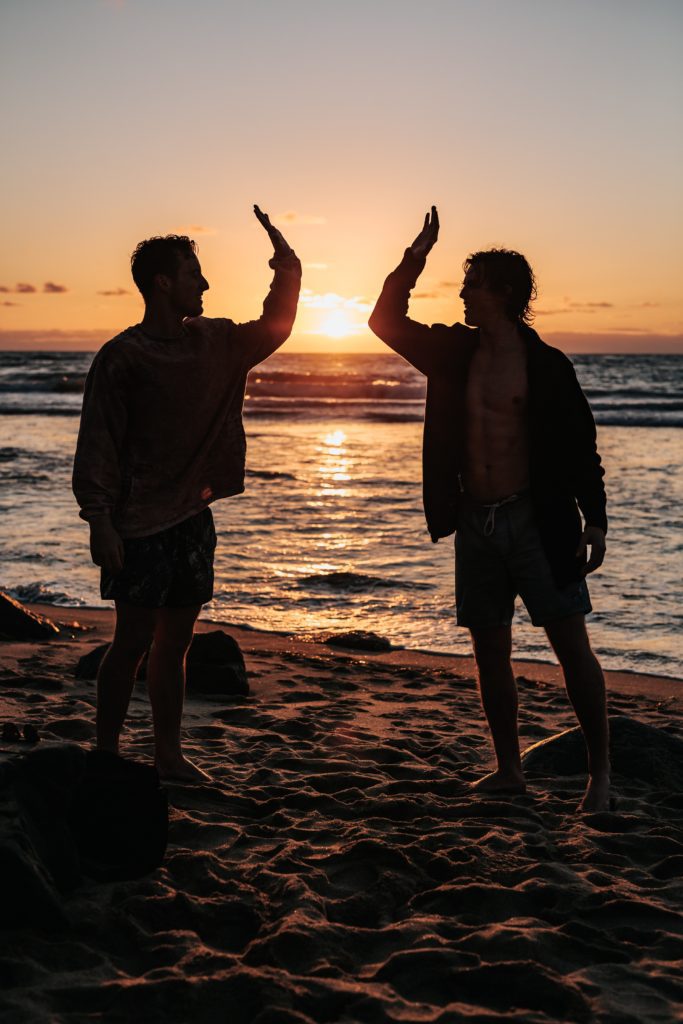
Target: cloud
316,266
4,289
25,289
450,284
54,289
427,295
195,229
592,305
292,217
330,300
574,307
114,291
6,303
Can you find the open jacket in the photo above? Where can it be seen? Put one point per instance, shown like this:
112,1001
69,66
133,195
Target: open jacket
565,467
161,433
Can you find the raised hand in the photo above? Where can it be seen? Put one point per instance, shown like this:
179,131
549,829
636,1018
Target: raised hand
281,247
428,236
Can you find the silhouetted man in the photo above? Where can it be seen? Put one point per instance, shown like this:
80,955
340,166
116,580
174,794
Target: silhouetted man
509,451
161,437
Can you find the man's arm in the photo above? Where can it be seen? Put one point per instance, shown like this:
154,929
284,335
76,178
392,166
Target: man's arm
262,337
96,472
389,319
588,474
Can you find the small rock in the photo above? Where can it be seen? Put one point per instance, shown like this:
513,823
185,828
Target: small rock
358,640
215,665
89,663
18,623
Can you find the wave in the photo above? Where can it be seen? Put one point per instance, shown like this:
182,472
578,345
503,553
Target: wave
270,474
33,410
656,416
47,384
38,593
353,582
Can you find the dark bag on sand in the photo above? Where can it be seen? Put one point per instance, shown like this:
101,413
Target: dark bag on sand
91,813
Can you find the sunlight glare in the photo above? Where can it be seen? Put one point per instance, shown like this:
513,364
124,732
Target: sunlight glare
337,324
335,439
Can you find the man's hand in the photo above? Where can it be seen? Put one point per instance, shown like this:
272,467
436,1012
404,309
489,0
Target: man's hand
428,236
106,547
281,247
594,538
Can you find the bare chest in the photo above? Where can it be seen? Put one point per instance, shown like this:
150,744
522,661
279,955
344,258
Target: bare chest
497,389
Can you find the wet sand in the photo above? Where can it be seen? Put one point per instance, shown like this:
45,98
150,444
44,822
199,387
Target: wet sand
338,869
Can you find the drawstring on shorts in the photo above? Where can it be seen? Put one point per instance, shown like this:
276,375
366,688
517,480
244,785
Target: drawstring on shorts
490,524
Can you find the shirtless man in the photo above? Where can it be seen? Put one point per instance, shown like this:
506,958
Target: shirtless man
161,438
509,453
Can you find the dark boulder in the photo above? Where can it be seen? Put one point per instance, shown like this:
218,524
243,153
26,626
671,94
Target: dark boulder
215,665
358,640
18,623
637,751
88,664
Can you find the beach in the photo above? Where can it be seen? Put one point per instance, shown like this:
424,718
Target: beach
337,868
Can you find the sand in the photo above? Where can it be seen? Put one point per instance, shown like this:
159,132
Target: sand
338,870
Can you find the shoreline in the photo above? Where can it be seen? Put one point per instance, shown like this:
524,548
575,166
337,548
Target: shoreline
619,680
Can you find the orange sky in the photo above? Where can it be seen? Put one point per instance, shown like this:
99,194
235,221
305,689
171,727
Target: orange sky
554,130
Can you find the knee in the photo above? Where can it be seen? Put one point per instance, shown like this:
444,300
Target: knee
172,643
491,652
130,646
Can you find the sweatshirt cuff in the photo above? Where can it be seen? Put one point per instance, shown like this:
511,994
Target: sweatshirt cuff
289,262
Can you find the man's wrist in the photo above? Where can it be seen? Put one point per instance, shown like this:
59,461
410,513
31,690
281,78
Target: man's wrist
101,522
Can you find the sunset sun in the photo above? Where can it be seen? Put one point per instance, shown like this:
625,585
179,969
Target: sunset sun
337,324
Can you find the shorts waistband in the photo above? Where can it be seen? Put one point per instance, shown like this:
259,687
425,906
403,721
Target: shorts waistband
491,507
505,500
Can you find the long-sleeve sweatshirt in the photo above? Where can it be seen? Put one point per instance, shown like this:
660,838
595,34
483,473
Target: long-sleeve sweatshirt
564,465
161,432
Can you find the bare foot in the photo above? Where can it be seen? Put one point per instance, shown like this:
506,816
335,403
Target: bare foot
181,769
500,782
596,797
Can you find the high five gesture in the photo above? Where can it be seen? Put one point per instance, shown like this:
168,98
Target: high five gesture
426,240
281,247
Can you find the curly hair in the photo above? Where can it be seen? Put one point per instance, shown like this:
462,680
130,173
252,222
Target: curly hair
158,255
508,271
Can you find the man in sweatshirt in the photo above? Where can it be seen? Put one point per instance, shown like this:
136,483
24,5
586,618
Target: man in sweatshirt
509,453
161,437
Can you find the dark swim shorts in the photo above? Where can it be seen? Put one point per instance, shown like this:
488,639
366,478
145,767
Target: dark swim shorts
170,569
499,554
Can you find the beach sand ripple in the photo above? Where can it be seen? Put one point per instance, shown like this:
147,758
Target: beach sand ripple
340,870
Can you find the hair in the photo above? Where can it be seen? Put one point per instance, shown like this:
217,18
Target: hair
158,255
508,271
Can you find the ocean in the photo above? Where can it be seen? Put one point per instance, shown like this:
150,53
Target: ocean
330,533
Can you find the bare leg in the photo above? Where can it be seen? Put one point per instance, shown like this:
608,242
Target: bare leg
116,676
166,683
586,690
498,690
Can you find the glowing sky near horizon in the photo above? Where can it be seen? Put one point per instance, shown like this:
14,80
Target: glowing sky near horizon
553,128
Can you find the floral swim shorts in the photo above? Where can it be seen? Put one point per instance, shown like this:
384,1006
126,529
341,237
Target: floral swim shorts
169,569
